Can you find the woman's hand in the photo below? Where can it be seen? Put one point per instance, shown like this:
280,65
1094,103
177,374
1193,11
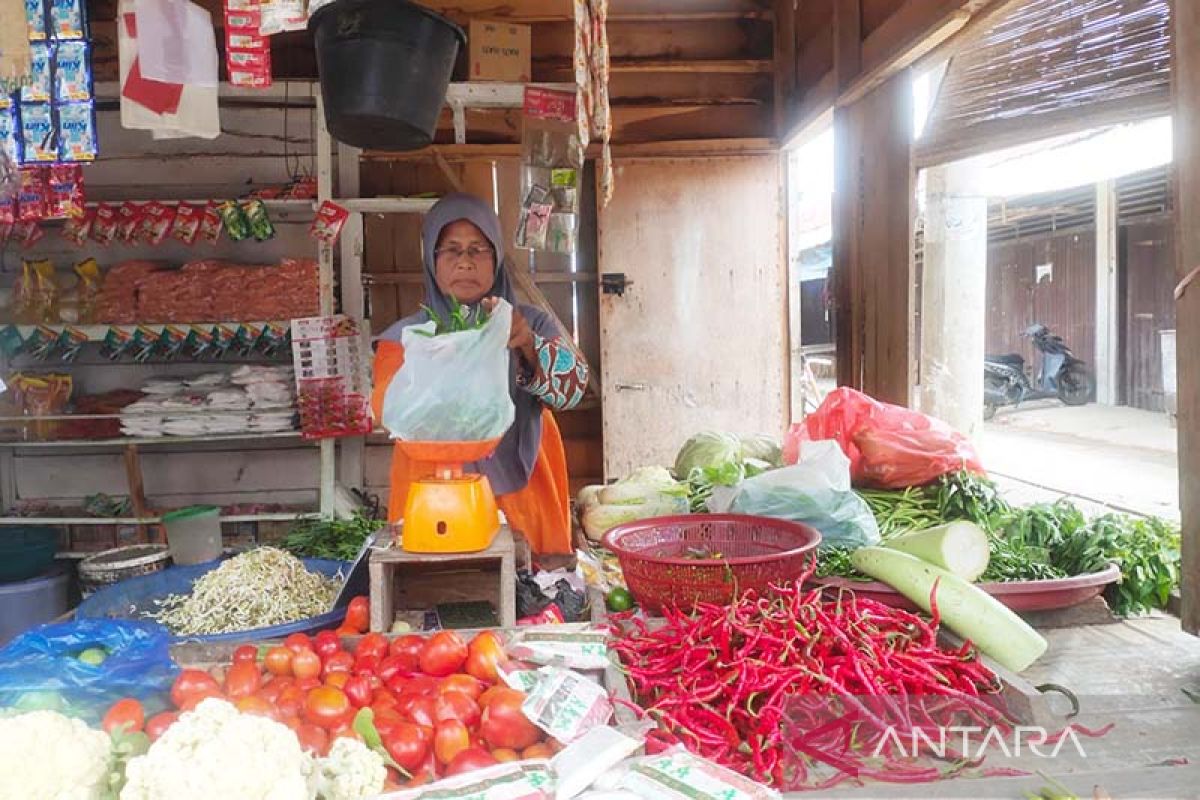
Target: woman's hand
520,337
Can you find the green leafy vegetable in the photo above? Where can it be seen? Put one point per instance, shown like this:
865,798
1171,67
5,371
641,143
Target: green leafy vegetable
337,539
460,319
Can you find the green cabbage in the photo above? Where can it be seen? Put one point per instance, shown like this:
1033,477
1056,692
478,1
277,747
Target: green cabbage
709,450
641,486
588,496
599,519
762,448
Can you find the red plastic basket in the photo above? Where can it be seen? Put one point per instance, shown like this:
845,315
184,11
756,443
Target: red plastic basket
755,553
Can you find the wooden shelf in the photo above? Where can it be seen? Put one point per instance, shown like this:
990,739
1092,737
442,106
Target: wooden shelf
145,441
272,516
386,205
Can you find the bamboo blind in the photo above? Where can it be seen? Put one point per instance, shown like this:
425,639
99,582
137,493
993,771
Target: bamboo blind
1042,68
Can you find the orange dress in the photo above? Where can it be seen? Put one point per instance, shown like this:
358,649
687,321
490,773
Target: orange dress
541,511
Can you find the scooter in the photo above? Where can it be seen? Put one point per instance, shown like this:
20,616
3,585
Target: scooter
1006,381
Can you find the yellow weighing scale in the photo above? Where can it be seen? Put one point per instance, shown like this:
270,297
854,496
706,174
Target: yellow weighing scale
448,510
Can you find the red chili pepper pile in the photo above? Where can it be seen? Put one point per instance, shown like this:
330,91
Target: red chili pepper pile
803,691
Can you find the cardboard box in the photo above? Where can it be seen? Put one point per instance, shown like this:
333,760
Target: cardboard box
499,51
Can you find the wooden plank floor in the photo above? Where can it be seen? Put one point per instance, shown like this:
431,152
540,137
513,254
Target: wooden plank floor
1132,674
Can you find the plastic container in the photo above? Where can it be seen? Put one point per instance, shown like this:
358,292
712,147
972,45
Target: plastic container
384,66
121,563
26,551
33,602
193,534
710,558
133,598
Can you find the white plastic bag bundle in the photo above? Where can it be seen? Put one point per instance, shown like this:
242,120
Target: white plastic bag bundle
816,491
453,387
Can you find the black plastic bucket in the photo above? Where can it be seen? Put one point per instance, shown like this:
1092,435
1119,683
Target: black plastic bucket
384,66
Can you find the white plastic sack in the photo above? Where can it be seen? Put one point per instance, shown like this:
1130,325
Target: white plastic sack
815,491
453,387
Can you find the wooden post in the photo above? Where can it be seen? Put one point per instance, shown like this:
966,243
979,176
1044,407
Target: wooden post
137,491
328,453
1185,84
847,132
873,242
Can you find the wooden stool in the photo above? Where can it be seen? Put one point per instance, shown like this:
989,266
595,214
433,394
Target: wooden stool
386,565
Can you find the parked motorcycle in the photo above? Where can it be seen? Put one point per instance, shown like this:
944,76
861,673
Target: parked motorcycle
1006,381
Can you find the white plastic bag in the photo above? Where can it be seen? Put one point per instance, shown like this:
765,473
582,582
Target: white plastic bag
453,387
815,491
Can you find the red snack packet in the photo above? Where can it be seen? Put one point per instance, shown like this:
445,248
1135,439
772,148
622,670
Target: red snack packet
303,189
328,221
77,228
129,218
186,225
104,226
8,212
156,222
211,223
66,191
33,196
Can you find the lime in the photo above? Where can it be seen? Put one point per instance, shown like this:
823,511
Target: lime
94,656
619,599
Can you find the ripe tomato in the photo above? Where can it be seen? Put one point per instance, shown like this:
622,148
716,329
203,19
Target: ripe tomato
386,718
341,661
372,645
313,739
470,759
246,652
297,642
126,714
326,644
423,685
383,697
337,679
345,631
456,705
278,661
358,689
192,682
305,664
484,654
358,614
255,705
242,679
408,648
367,665
450,738
540,750
503,724
328,707
389,668
290,701
345,731
406,745
306,685
491,694
418,708
503,754
443,654
462,683
157,725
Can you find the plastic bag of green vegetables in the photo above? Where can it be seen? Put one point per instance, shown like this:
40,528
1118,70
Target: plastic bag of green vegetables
816,491
453,386
647,492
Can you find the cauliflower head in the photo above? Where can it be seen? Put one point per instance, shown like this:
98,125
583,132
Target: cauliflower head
351,771
47,756
216,751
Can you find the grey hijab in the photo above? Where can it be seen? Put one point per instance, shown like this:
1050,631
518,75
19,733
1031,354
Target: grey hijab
509,468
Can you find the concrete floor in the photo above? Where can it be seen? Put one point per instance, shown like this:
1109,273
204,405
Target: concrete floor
1102,456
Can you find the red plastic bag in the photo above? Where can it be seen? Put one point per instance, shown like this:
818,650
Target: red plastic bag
889,447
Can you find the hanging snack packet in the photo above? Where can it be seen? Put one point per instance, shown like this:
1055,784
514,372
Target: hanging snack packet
77,229
47,288
35,18
40,87
222,340
144,341
77,132
116,343
246,339
237,227
66,191
129,217
199,342
106,223
274,338
33,198
66,19
186,225
88,290
156,223
10,130
170,342
328,221
70,342
260,222
211,223
72,72
11,341
38,133
42,342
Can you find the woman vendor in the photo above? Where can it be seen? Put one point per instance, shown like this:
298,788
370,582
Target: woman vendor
464,260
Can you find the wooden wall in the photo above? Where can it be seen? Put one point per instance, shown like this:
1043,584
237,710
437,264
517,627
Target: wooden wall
1148,283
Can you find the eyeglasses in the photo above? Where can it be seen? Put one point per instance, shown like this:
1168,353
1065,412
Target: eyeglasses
476,253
